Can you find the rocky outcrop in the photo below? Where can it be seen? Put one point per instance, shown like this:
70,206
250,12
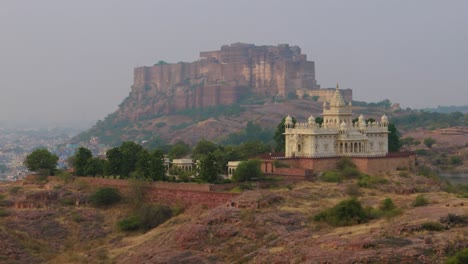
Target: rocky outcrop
220,77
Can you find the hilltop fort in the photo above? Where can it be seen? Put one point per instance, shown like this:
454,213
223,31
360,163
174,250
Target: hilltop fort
223,77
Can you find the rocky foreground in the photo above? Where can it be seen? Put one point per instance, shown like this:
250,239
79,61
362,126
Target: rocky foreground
54,224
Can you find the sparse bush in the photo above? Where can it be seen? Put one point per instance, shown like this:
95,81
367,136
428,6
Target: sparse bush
77,217
105,196
67,201
331,176
147,217
420,201
403,174
350,172
456,160
344,163
346,212
421,152
426,171
130,223
459,258
432,226
14,189
368,181
387,205
353,190
4,213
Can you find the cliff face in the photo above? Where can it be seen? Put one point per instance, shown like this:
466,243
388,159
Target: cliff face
220,77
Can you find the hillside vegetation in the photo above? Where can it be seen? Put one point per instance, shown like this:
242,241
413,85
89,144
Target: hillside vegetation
401,218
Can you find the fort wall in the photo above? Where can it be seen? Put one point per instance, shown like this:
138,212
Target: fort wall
186,194
220,77
303,167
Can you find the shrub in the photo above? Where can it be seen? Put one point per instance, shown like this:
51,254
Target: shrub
4,213
346,212
421,152
353,190
458,258
154,215
368,181
147,217
130,223
432,226
105,196
420,201
14,189
387,205
344,163
331,176
350,172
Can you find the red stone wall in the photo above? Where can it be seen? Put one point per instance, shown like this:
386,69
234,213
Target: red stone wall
299,166
187,194
266,70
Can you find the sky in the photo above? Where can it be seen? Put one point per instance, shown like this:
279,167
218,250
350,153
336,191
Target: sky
71,62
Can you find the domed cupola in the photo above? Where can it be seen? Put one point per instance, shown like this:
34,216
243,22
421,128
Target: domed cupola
288,121
384,120
311,120
343,126
361,118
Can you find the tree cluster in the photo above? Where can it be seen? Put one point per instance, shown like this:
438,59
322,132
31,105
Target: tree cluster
42,161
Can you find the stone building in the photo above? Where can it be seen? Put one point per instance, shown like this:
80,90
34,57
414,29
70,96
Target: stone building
338,135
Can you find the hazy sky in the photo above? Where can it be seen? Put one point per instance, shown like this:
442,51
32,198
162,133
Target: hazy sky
71,62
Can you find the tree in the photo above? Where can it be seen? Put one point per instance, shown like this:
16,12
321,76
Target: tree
209,168
248,170
203,148
279,135
80,160
252,148
429,142
114,157
130,154
393,138
42,161
318,120
179,150
94,166
150,165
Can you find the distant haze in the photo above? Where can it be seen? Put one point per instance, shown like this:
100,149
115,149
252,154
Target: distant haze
71,62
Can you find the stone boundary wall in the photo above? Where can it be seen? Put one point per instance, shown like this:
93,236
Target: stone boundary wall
371,165
185,194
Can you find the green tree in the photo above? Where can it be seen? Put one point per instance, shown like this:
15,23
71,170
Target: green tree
130,154
105,196
42,161
179,150
248,170
94,166
114,158
279,135
80,160
150,165
251,149
203,148
209,168
393,138
319,120
429,142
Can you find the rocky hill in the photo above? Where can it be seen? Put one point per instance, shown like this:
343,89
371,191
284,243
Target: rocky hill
221,77
55,224
217,90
